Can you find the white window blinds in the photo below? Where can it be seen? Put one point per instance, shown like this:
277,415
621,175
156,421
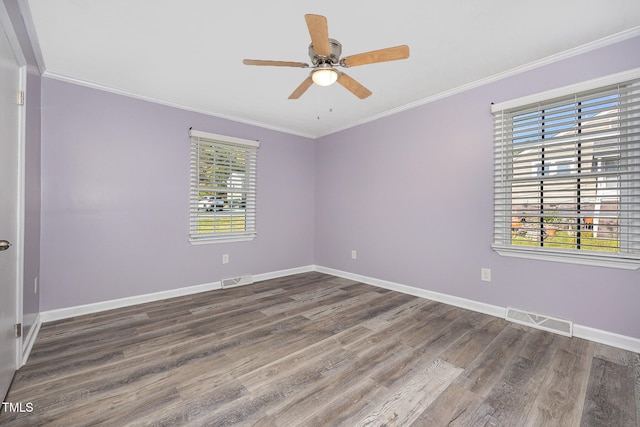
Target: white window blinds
222,203
567,176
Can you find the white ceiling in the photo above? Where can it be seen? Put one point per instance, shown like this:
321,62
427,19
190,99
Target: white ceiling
189,52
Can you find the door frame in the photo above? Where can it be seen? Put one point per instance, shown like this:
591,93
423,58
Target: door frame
5,20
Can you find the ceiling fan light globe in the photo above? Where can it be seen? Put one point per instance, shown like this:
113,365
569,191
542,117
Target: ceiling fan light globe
324,77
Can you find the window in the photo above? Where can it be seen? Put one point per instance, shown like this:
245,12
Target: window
567,174
222,204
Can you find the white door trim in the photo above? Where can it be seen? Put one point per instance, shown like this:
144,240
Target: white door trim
5,20
21,207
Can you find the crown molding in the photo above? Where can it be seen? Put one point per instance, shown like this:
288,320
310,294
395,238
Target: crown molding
597,44
131,94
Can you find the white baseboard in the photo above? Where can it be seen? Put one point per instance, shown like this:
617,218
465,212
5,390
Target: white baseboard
79,310
283,273
608,338
579,331
65,313
492,310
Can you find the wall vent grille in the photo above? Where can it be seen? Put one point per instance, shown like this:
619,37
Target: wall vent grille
551,324
237,281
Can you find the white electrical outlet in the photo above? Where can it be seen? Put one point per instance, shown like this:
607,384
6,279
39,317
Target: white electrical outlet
485,274
225,258
35,285
354,255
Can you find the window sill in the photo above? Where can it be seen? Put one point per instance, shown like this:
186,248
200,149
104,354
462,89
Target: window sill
220,240
596,260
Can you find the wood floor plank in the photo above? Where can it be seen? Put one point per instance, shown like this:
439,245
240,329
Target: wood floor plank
347,391
272,387
250,358
411,309
561,397
294,368
484,372
473,341
335,308
431,322
509,401
610,395
313,349
222,306
404,404
624,358
451,408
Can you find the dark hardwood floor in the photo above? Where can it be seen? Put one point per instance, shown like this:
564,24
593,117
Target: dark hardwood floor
316,350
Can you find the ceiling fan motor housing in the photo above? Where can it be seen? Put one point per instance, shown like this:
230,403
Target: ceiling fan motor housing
333,58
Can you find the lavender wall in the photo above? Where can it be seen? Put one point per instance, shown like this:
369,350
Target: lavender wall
115,183
412,193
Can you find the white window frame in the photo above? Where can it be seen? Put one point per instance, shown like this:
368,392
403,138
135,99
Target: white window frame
225,168
630,218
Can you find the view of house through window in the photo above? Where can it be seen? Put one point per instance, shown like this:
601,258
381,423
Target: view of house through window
566,187
223,188
568,173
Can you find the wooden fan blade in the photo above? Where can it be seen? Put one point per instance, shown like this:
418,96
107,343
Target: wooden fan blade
301,89
382,55
353,86
274,63
319,32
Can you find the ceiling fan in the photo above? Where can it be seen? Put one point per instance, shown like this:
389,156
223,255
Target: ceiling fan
325,57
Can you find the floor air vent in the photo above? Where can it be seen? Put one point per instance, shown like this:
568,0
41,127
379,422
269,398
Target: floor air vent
237,281
559,326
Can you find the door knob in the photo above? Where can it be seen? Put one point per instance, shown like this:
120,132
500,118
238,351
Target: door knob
4,245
